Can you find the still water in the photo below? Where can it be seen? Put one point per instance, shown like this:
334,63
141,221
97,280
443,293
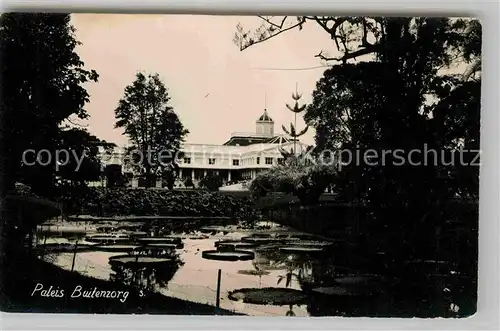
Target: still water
196,278
332,288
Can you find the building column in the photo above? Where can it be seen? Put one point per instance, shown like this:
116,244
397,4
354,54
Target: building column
192,174
180,173
229,175
205,173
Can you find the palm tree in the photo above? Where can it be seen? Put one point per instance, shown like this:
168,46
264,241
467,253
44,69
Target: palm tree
292,132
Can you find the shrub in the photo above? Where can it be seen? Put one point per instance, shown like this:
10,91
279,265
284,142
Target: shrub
211,182
188,182
313,182
141,202
114,176
306,182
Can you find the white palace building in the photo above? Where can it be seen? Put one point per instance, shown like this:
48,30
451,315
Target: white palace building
240,158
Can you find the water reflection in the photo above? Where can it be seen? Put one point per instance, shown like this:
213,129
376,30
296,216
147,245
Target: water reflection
298,267
290,311
333,281
147,276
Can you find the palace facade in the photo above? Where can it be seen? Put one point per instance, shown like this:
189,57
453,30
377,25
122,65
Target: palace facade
239,159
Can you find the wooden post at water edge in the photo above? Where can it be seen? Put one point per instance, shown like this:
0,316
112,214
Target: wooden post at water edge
217,299
74,257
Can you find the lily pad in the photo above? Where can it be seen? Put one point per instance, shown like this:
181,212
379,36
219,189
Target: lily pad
234,245
147,241
260,235
261,241
358,280
235,255
114,248
152,250
264,264
137,234
309,243
160,245
343,291
198,237
160,240
102,239
207,229
105,228
253,272
61,248
268,248
300,250
138,260
277,296
232,241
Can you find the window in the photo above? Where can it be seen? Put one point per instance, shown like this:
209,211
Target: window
269,160
211,161
236,162
187,160
258,160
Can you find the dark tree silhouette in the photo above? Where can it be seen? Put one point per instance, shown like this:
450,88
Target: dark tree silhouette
77,141
150,123
41,88
401,98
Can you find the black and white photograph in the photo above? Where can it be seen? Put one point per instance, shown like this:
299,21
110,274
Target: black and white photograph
297,166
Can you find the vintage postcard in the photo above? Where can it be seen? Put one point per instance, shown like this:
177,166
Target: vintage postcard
240,165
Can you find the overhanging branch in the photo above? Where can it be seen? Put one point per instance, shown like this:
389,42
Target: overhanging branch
335,31
251,41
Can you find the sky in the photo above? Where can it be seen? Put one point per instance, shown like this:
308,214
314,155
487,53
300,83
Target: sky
215,88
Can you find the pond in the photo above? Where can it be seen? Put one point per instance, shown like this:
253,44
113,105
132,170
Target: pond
273,272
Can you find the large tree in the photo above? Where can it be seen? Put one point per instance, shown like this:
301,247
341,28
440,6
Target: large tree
150,123
41,79
400,98
41,87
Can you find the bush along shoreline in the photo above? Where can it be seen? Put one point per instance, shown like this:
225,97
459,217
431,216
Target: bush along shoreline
100,201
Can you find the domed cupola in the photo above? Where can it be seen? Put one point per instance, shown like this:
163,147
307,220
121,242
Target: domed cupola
265,125
265,117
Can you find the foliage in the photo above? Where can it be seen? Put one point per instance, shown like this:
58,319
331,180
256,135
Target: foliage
275,179
401,99
42,87
307,182
169,172
471,45
21,189
188,182
79,143
150,123
72,196
211,182
392,94
114,176
338,113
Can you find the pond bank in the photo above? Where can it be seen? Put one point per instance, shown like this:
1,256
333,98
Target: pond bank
24,278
